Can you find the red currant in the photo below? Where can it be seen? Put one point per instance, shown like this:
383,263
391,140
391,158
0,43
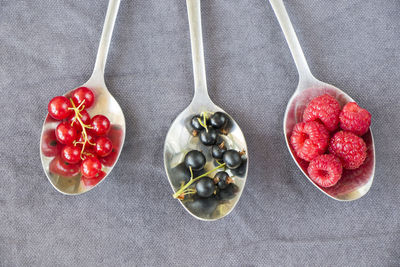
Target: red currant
83,93
103,146
100,125
65,133
90,167
59,108
85,118
110,159
50,146
116,135
60,167
90,182
71,154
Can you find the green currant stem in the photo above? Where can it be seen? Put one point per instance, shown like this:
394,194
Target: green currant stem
204,122
192,180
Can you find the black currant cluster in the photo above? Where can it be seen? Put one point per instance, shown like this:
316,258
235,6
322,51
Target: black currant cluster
209,130
206,186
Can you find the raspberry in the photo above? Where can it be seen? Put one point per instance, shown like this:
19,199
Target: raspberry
324,108
349,148
325,170
355,119
309,139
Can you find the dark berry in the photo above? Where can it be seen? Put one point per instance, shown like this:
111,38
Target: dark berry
202,206
195,159
208,137
218,152
181,173
222,180
219,140
232,159
205,187
241,170
218,120
228,193
195,123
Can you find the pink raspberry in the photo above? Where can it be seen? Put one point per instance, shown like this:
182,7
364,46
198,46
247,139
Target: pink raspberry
324,108
309,139
349,148
325,170
355,119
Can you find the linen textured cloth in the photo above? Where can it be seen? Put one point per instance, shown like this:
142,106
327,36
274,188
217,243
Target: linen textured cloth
48,47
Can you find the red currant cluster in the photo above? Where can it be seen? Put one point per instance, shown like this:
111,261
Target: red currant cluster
80,143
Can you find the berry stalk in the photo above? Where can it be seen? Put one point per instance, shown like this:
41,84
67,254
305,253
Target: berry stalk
77,111
192,180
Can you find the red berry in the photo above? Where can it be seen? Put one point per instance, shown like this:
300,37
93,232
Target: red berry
100,124
90,182
325,170
59,107
65,133
355,119
50,147
83,93
324,108
60,167
349,148
110,159
103,146
71,154
90,167
85,118
116,136
309,139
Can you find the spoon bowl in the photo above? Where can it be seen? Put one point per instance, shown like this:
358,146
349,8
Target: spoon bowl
354,183
179,139
105,104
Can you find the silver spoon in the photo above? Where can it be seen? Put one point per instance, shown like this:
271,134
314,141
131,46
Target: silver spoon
353,184
105,104
179,139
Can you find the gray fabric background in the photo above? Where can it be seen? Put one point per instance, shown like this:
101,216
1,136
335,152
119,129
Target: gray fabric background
48,47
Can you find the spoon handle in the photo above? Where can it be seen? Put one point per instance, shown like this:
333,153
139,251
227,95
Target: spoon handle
291,39
105,39
196,39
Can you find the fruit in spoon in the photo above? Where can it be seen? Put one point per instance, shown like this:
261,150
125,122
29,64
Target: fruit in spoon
79,143
311,139
210,129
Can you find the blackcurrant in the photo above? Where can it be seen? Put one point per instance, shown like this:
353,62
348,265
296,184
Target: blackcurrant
208,137
205,187
195,159
219,140
228,193
232,159
202,206
222,179
217,152
218,120
195,123
181,173
241,170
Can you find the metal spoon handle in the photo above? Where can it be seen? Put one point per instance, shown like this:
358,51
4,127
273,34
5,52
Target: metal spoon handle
291,39
105,39
196,39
